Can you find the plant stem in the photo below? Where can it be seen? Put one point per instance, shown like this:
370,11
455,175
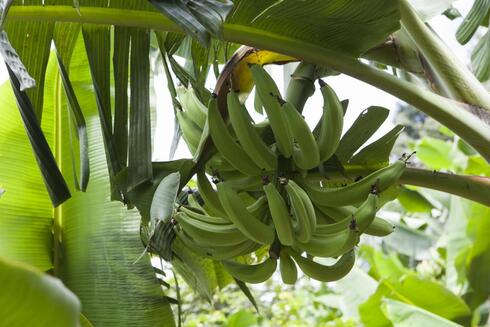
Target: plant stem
474,188
447,112
456,78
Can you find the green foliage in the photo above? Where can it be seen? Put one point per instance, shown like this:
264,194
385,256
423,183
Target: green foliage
29,297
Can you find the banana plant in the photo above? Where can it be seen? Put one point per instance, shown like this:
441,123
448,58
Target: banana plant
101,131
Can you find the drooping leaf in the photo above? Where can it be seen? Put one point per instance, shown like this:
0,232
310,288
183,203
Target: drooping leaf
361,130
65,36
197,18
13,61
162,205
32,41
197,271
479,57
101,239
4,8
168,44
405,315
139,153
120,61
97,43
76,114
246,291
53,179
29,297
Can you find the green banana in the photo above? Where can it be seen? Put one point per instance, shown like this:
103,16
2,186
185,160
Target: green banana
361,218
193,202
255,274
219,252
303,212
218,164
331,124
378,227
242,182
203,217
357,191
208,234
269,94
322,219
306,155
227,145
195,109
249,225
209,195
247,136
280,214
259,208
289,272
331,245
325,273
190,131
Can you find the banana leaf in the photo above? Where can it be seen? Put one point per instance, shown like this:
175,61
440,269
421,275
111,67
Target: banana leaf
95,241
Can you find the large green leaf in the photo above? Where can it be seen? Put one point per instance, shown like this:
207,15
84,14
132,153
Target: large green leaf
410,242
457,242
351,27
25,209
29,297
101,238
478,261
353,290
405,315
97,241
434,153
418,292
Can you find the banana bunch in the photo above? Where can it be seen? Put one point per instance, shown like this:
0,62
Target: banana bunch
262,196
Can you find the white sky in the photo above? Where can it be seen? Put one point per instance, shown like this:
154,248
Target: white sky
361,95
